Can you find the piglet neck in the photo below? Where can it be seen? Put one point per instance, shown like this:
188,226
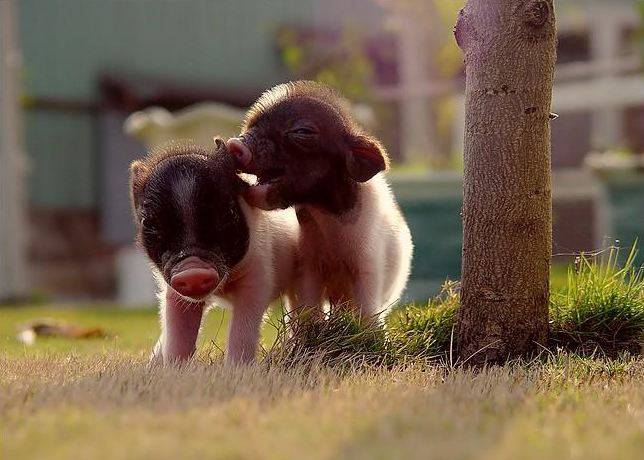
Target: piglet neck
337,196
361,199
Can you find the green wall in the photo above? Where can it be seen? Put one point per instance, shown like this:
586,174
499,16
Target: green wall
68,43
626,196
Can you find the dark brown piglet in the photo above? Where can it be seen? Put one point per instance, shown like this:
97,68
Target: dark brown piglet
301,142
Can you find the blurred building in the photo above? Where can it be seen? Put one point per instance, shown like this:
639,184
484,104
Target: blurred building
90,63
13,222
599,90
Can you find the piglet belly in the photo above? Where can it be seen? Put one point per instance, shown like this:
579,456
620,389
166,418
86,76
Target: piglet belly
333,262
340,288
338,277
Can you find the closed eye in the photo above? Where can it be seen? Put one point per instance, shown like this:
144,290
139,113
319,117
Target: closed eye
304,131
304,136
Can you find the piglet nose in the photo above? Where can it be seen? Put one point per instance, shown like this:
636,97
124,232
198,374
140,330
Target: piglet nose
195,282
239,150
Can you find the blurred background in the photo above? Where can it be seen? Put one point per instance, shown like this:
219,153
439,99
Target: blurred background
88,85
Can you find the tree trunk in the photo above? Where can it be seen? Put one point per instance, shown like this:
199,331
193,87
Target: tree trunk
510,49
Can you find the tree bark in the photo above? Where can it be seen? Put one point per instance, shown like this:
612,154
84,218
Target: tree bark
510,50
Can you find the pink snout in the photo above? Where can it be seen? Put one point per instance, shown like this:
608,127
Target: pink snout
239,150
195,279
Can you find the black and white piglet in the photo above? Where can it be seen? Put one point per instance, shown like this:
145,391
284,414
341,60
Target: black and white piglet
208,246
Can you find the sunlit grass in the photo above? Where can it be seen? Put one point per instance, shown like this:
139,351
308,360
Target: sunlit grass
111,406
347,391
601,309
598,308
425,330
127,330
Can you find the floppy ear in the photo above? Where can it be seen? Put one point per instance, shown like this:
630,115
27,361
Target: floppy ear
138,172
365,158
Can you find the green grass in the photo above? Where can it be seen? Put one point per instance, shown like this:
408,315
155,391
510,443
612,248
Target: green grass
601,309
425,330
338,341
598,307
134,330
129,330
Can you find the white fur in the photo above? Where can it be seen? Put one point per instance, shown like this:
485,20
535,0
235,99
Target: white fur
264,274
361,258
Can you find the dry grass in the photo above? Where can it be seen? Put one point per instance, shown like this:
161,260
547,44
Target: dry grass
111,406
341,393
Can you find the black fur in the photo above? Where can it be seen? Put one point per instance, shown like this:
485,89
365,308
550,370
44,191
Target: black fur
185,201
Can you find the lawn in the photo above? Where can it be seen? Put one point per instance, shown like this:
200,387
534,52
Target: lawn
133,331
96,398
108,405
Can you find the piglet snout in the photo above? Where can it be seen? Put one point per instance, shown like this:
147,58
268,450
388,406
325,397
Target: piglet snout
194,278
239,150
196,282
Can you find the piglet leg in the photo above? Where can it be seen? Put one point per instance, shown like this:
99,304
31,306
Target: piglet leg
306,304
180,322
308,291
243,335
366,296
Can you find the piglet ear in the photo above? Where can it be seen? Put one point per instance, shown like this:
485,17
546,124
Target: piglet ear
138,172
366,157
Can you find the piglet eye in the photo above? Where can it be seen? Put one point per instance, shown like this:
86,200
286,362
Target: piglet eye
304,131
304,136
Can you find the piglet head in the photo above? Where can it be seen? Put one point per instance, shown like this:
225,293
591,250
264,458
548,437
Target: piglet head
189,221
301,143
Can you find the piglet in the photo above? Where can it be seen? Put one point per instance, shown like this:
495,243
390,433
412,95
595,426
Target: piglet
301,142
208,246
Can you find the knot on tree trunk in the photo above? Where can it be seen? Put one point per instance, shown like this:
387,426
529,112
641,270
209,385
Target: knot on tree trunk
537,14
